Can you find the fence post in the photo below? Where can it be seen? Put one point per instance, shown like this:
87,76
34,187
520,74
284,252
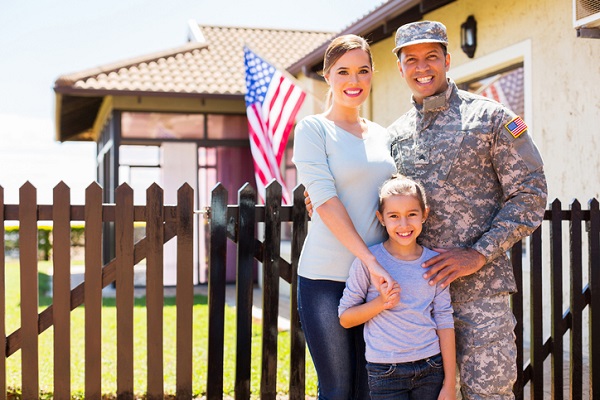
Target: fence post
270,287
216,291
244,283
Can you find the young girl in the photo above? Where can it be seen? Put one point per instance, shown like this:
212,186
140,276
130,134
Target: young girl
405,331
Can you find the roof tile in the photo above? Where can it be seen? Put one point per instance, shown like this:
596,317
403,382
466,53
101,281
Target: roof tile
215,66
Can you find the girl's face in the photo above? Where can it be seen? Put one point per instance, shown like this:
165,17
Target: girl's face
403,219
350,78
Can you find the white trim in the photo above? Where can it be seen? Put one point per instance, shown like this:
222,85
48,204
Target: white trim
195,32
519,52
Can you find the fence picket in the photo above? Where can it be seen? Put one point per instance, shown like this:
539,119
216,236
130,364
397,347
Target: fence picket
270,294
577,302
29,289
185,290
61,285
2,297
93,292
556,311
155,290
244,286
594,312
216,292
297,341
536,317
516,258
124,290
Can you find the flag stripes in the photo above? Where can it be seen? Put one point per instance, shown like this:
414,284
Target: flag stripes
272,103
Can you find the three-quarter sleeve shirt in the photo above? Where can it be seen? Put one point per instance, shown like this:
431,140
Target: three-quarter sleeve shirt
333,162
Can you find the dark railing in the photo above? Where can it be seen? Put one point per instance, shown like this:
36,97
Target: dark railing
543,255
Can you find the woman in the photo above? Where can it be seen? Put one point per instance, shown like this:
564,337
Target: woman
342,160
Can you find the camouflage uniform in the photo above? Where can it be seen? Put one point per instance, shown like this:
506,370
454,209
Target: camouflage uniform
486,190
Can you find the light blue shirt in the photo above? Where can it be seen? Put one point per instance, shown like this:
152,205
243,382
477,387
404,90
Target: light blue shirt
333,162
406,332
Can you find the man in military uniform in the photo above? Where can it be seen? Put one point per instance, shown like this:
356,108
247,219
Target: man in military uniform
486,186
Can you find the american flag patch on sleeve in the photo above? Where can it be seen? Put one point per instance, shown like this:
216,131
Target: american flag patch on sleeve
516,126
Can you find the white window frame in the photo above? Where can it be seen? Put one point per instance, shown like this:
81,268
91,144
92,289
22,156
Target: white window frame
488,64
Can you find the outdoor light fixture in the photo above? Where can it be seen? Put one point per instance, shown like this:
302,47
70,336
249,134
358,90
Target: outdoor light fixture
468,36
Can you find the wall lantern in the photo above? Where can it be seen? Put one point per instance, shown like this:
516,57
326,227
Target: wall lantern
468,36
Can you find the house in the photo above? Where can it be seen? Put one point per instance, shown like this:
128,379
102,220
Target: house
179,116
174,117
555,73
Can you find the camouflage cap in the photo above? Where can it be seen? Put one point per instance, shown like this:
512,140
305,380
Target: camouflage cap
420,32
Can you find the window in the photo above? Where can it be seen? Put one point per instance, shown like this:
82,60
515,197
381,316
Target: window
505,87
141,125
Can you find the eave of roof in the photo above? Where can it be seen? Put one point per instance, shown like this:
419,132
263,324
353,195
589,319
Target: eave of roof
377,25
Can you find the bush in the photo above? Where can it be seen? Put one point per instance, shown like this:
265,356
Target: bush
11,240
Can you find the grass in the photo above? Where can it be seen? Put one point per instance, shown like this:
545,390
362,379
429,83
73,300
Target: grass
109,352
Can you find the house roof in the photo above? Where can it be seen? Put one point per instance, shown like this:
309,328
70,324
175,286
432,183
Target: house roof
213,66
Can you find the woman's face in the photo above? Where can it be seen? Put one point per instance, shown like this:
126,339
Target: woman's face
350,78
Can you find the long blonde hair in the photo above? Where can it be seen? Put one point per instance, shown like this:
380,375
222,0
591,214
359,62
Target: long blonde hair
336,49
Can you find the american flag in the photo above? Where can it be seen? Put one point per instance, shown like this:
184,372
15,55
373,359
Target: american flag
272,102
507,88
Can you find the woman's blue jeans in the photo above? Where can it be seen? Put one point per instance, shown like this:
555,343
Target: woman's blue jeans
338,353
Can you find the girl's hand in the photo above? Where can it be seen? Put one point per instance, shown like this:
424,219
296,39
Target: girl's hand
390,298
447,393
380,276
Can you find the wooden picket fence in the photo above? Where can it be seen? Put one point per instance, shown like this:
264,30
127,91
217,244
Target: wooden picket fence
238,223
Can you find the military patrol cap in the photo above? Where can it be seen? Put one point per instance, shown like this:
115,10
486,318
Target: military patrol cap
420,32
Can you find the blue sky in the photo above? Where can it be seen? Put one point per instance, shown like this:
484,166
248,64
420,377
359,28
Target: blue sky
43,39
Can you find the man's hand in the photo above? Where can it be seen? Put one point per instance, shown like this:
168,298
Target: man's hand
308,203
452,264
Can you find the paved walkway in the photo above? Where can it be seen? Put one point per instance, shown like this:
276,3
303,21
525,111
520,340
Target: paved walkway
230,299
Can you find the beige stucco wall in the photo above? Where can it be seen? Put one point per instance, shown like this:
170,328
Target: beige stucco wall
563,82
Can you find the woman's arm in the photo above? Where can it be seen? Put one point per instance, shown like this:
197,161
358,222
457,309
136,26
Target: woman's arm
336,218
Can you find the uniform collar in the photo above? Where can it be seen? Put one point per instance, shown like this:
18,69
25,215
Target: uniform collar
437,102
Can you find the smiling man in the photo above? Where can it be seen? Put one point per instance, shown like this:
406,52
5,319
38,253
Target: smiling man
485,180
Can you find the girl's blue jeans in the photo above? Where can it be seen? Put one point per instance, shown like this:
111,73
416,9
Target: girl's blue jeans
417,380
337,353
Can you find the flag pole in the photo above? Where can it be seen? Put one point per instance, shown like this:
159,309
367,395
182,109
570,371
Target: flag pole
320,102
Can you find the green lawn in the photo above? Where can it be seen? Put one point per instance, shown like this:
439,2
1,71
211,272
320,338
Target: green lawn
109,346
